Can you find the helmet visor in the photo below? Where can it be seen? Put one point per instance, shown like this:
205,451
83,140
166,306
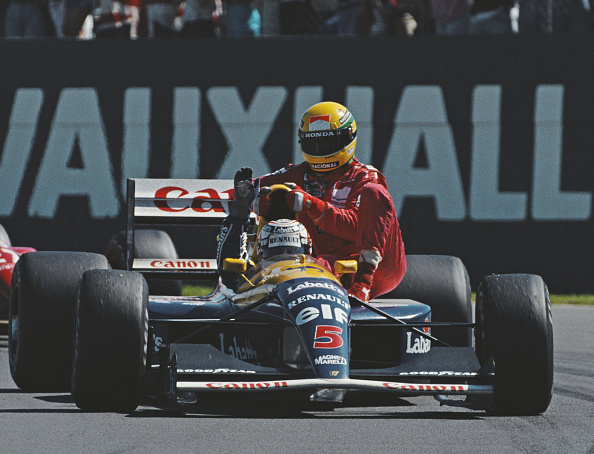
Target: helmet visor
281,250
325,143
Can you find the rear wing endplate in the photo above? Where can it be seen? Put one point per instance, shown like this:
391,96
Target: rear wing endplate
156,201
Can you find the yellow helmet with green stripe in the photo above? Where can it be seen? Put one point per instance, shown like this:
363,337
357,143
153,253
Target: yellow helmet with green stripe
327,135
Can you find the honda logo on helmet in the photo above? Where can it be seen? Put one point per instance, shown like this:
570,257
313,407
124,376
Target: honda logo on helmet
311,135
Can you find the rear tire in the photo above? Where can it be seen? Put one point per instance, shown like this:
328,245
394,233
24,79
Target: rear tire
441,282
148,244
41,317
514,327
111,341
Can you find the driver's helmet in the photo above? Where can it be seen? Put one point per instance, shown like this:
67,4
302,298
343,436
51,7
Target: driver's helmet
327,135
283,236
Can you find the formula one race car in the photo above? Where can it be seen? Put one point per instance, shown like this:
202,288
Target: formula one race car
288,330
9,255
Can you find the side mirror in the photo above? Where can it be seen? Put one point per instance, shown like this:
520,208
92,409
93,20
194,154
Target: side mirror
345,266
236,265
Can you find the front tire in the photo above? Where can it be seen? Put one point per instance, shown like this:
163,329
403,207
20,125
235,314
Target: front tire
111,341
514,327
41,317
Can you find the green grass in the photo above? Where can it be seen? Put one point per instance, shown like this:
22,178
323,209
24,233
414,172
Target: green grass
196,290
582,300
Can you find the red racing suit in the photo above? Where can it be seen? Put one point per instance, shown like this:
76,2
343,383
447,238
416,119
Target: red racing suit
359,214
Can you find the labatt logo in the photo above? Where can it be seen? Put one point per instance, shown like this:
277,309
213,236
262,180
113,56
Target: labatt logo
420,344
244,351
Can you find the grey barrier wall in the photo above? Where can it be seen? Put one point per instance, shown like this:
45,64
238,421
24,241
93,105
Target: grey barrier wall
486,142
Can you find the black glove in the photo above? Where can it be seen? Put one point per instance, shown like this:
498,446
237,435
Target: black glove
245,193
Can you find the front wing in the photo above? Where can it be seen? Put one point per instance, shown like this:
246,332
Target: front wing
399,388
445,371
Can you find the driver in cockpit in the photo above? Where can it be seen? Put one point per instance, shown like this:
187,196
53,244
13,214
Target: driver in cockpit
276,238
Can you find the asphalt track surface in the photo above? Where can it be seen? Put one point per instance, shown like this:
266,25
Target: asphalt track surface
51,423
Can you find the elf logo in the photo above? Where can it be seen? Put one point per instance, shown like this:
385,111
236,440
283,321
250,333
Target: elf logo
311,313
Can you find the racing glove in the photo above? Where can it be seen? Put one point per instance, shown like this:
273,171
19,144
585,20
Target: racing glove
262,202
273,204
360,290
302,202
245,192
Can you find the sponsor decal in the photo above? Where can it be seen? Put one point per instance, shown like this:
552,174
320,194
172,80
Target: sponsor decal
314,135
238,350
288,240
198,264
339,196
248,385
225,229
304,285
444,373
311,313
331,334
319,122
215,371
420,344
323,165
157,342
345,116
331,359
206,200
317,296
281,229
425,387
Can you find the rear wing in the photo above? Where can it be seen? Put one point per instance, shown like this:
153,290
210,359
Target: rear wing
152,201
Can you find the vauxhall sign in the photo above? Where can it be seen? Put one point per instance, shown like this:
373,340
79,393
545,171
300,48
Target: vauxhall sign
486,142
420,125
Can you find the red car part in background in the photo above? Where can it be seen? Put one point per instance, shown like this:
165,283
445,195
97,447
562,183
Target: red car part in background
9,255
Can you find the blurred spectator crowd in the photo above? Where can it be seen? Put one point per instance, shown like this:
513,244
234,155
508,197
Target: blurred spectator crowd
90,19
